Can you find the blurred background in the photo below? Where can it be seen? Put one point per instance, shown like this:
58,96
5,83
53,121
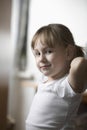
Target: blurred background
19,20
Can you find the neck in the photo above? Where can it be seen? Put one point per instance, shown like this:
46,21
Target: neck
59,75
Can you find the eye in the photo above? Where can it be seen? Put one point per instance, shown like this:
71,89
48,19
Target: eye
37,54
49,51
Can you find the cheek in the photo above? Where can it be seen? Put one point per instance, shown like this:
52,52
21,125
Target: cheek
37,62
58,60
51,58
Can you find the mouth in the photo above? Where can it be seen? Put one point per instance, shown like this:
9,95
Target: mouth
45,66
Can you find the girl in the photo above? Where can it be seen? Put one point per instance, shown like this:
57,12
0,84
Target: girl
65,76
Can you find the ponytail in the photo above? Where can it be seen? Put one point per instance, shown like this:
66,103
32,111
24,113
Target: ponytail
79,51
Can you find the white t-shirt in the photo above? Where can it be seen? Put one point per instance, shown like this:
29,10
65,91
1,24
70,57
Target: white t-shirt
54,106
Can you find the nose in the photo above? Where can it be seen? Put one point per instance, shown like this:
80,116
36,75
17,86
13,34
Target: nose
42,58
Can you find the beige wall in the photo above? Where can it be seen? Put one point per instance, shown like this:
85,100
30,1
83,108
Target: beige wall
5,17
5,13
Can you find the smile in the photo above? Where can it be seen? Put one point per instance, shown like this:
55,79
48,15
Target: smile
45,66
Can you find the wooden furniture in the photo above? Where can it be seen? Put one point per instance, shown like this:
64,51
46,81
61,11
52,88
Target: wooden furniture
3,105
84,97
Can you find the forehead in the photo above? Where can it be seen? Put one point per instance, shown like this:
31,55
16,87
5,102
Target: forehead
43,46
39,44
45,40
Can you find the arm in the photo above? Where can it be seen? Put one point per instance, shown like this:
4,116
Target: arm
78,74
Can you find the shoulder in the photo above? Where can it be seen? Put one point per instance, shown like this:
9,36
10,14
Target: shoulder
78,74
79,62
63,88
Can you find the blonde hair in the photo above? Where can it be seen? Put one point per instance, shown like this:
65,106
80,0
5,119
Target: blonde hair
53,34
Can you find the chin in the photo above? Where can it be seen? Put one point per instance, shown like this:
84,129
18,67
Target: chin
47,74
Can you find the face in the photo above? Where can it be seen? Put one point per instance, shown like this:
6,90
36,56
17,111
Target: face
51,61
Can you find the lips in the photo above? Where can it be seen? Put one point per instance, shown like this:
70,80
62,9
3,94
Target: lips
45,66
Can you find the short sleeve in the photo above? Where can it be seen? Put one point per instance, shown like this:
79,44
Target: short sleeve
65,90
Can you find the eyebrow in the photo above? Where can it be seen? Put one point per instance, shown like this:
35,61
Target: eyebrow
46,47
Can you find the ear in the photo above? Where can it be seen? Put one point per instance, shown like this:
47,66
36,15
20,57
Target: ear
70,52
